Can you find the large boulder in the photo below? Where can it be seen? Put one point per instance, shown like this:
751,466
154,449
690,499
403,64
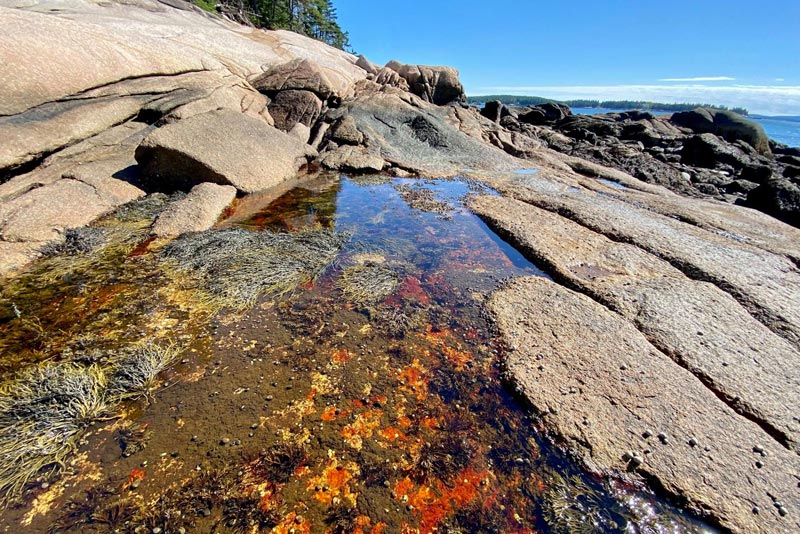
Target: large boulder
223,147
546,113
728,125
295,106
439,85
779,197
300,74
707,150
494,111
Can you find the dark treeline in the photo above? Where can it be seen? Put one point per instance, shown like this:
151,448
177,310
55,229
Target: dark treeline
513,100
314,18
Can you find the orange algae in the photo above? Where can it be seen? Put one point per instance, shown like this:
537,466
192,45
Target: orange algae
291,525
363,427
136,474
329,414
333,483
433,505
341,356
413,380
392,434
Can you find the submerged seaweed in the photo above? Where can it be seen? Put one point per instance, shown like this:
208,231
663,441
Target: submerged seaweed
76,241
369,282
44,412
235,266
42,416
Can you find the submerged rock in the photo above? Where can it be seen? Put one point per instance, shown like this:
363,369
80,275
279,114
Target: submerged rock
197,211
223,147
625,386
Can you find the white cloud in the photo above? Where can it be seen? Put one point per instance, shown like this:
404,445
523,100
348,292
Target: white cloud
762,99
699,79
780,79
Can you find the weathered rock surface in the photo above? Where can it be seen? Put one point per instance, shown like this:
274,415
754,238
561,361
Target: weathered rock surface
766,284
737,357
416,136
439,85
619,403
351,158
210,147
298,74
197,211
294,106
104,43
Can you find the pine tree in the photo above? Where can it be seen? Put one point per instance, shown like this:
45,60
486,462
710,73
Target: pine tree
314,18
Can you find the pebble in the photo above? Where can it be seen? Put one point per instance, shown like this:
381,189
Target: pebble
756,510
254,426
692,442
758,449
174,454
782,511
298,519
156,530
206,512
224,441
646,434
759,464
135,484
195,438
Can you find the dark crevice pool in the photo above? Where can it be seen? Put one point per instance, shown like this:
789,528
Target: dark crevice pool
367,398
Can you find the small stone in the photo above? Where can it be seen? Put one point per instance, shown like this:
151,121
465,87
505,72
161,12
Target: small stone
386,484
692,442
636,461
646,434
254,426
135,484
45,485
409,507
782,511
298,519
224,441
758,449
206,512
195,438
759,464
174,454
156,530
756,510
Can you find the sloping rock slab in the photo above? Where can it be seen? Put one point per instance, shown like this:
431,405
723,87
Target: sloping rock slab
41,214
626,395
700,326
766,284
224,147
196,212
417,136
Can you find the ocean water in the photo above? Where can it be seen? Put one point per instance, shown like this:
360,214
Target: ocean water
779,129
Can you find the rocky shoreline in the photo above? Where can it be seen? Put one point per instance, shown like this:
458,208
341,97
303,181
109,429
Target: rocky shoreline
666,348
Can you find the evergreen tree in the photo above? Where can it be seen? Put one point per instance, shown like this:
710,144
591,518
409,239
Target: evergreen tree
314,18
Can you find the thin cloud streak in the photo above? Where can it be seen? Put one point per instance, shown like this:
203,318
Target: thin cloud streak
760,99
699,79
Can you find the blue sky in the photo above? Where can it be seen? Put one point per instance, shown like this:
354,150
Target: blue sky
733,52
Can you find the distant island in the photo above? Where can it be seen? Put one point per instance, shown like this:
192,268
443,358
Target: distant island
514,100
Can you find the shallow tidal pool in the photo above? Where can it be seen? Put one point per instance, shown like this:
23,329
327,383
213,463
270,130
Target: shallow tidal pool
318,363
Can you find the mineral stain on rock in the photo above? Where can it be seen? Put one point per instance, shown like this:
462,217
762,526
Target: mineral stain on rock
366,398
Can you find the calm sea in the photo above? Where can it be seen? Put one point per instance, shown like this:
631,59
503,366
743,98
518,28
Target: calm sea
781,130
